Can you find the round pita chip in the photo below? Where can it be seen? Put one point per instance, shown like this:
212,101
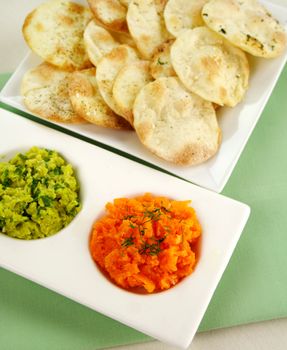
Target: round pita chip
146,25
120,37
45,92
246,24
180,15
130,80
88,102
108,69
54,31
175,124
210,66
98,42
161,64
111,13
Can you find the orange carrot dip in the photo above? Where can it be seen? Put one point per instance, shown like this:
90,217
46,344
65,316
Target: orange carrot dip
146,242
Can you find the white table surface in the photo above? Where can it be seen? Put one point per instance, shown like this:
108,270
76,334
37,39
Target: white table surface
269,335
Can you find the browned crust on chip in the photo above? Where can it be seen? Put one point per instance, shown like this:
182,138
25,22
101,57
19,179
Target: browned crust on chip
26,24
76,8
192,155
118,25
144,130
75,120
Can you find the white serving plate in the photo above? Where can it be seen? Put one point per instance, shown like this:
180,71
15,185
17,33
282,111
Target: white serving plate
63,263
236,123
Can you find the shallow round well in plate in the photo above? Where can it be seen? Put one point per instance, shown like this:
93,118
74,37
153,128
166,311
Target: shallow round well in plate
39,193
147,243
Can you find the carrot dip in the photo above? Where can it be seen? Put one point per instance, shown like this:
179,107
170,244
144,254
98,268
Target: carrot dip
146,242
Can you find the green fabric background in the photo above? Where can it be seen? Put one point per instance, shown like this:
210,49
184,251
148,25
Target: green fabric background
254,285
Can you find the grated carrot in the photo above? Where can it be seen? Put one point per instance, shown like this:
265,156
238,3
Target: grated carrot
146,242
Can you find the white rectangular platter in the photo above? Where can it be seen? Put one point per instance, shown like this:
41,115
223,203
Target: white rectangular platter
63,262
236,123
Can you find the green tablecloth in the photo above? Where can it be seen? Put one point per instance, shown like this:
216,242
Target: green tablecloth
253,288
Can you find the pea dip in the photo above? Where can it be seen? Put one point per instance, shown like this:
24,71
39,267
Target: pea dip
39,194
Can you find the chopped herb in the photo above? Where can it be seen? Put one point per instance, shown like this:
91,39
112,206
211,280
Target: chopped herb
19,170
58,186
5,173
58,171
22,156
128,242
160,240
150,249
46,200
50,152
2,222
153,215
161,62
34,185
254,41
46,181
205,14
144,247
165,209
154,249
132,226
222,30
35,195
6,182
127,217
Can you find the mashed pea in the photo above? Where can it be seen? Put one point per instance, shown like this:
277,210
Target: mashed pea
39,194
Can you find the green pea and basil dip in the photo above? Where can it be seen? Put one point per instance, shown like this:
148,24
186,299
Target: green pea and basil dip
39,194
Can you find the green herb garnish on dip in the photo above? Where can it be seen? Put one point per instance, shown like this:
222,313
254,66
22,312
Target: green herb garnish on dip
39,194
